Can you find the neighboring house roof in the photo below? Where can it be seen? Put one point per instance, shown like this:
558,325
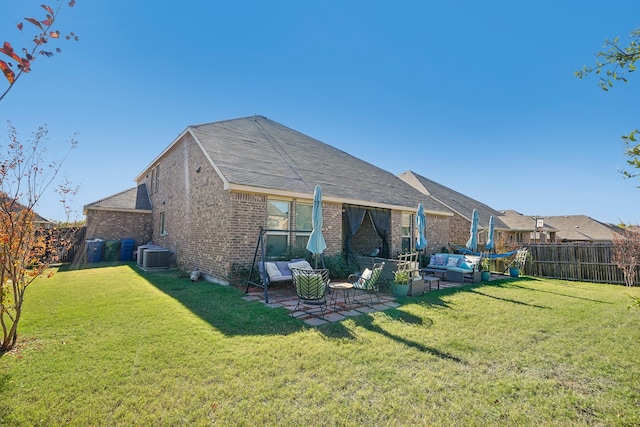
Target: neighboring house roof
519,222
256,154
580,228
37,218
453,200
568,228
133,199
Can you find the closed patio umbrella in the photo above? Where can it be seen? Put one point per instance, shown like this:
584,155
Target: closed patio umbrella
491,244
316,244
421,222
472,243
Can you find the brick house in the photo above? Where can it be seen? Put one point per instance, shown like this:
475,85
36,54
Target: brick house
210,191
126,215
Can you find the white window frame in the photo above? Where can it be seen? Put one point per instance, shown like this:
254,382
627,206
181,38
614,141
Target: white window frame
277,232
411,230
306,235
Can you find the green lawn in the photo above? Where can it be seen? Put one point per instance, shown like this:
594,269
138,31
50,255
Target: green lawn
116,346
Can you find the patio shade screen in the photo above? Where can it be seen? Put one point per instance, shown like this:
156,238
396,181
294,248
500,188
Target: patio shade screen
354,216
380,218
382,222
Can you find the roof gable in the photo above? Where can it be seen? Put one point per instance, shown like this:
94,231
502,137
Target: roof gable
133,199
461,204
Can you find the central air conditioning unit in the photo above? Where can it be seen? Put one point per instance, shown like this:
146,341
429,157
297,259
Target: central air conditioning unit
140,256
156,258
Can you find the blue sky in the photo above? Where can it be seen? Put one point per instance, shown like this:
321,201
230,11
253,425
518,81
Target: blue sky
479,96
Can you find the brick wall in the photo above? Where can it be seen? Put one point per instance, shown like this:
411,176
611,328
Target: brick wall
115,225
366,239
249,214
437,233
332,227
458,230
196,209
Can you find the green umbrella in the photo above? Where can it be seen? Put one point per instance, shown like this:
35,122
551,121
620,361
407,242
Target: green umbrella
316,244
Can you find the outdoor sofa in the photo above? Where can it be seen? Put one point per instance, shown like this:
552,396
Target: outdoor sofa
280,271
455,267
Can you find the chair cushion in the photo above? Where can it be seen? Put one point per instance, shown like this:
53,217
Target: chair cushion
310,286
272,270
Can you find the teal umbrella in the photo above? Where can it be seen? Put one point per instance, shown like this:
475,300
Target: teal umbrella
472,243
316,244
421,222
491,244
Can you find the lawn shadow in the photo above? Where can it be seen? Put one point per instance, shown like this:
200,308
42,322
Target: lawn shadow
90,265
337,331
512,301
561,294
222,306
371,323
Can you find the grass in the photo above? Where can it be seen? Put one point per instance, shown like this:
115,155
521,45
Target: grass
116,346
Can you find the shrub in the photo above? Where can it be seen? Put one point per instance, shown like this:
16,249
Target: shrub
338,266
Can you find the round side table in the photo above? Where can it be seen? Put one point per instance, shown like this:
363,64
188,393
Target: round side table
340,286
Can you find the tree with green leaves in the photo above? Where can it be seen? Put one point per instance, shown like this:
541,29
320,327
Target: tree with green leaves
613,64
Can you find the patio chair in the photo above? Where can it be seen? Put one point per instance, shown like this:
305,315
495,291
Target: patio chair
368,281
311,287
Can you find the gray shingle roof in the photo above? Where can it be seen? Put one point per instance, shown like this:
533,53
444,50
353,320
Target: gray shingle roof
579,227
15,206
517,221
458,202
567,227
135,198
258,152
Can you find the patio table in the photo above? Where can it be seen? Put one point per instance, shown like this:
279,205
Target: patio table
345,287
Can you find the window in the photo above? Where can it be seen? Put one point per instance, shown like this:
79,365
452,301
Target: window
304,212
163,230
407,232
157,177
277,219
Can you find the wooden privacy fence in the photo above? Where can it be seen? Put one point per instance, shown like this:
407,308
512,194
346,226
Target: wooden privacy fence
586,262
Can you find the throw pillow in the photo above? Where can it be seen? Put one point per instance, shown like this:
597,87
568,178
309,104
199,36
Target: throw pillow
302,265
432,260
453,262
440,260
272,270
366,274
